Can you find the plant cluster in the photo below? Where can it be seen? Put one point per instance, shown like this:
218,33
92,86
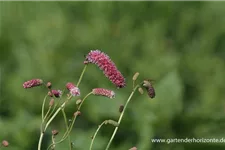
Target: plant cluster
57,101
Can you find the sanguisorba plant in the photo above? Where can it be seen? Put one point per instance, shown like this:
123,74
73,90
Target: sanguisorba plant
110,70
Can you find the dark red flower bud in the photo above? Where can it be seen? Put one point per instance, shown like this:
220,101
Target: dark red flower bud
56,93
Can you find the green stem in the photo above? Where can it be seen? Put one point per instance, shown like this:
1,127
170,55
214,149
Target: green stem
43,107
67,127
84,100
96,132
53,142
81,76
121,116
57,111
65,134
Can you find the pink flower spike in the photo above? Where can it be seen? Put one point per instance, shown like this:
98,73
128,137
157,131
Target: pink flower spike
56,93
107,66
32,83
75,91
104,92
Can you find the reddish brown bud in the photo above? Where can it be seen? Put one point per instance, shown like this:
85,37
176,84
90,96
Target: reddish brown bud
49,85
32,83
51,103
133,148
5,143
56,93
121,108
77,113
55,132
150,89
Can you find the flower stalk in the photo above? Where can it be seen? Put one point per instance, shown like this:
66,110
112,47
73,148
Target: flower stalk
121,117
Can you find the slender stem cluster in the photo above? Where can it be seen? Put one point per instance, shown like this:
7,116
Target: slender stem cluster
110,70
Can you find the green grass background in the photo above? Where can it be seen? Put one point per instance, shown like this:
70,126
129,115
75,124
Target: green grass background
181,45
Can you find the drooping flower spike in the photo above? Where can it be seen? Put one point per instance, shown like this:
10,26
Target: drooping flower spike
75,91
103,92
32,83
107,66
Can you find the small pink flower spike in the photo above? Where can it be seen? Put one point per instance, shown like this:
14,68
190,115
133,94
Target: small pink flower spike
56,93
75,91
32,83
107,66
103,92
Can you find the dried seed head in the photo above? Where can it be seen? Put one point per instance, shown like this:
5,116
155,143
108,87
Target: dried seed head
103,92
140,90
49,85
133,148
32,83
135,76
55,132
151,92
107,66
77,113
150,89
121,108
51,103
75,91
56,93
5,143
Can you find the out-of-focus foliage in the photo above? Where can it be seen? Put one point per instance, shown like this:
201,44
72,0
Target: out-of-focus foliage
181,45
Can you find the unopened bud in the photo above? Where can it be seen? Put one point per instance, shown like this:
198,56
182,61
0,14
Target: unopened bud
51,103
49,85
140,90
121,108
135,76
5,143
55,132
77,113
133,148
78,101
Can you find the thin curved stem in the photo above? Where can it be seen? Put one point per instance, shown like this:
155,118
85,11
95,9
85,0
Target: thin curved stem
57,111
43,107
120,118
67,127
84,100
96,132
81,76
65,134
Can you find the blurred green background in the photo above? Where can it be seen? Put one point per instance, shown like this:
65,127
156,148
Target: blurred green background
180,45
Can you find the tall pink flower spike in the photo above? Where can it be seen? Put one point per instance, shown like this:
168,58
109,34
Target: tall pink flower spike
107,66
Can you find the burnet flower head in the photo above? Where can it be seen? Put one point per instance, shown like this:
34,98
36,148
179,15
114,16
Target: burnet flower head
107,66
75,91
32,83
103,92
